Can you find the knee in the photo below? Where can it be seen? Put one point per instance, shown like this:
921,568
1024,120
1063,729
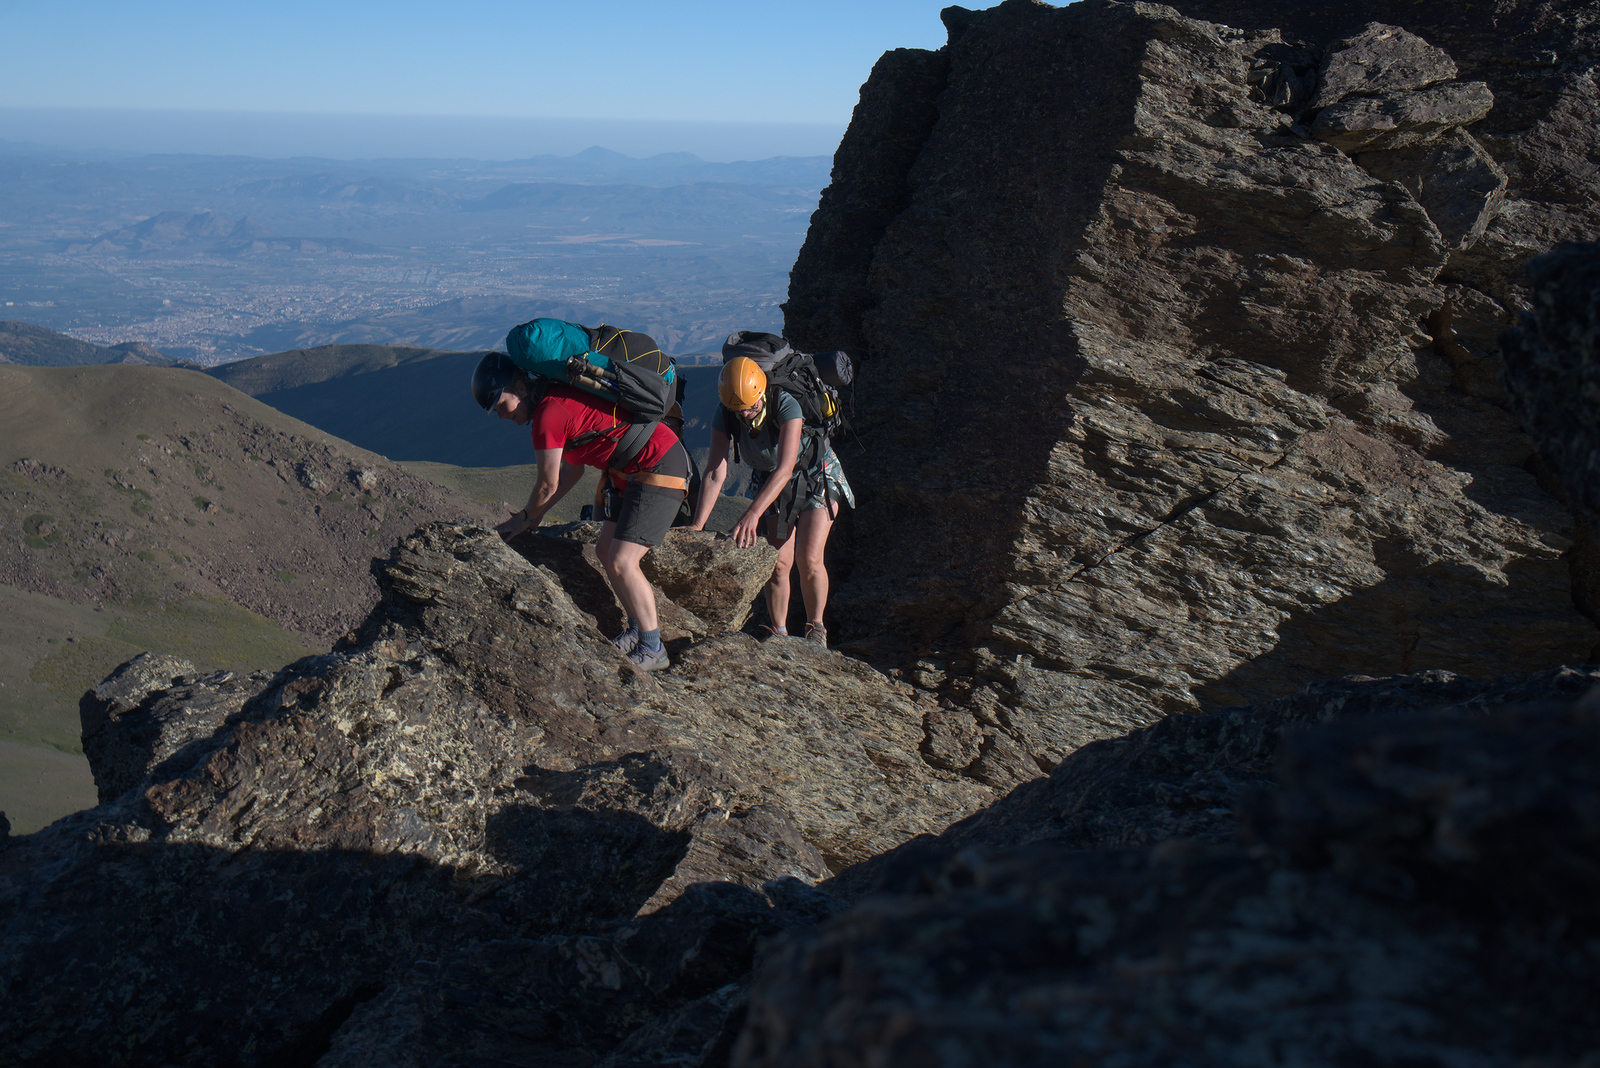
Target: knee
812,557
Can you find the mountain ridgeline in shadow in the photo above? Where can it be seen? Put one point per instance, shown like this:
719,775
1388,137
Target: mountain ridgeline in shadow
413,404
36,346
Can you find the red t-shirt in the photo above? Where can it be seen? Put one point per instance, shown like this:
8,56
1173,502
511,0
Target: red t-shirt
566,413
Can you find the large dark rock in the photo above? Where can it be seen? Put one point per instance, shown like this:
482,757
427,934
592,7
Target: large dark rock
1166,403
1552,370
1535,56
156,710
476,763
1417,884
1188,777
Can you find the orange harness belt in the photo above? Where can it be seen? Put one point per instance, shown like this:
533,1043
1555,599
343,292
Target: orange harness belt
662,481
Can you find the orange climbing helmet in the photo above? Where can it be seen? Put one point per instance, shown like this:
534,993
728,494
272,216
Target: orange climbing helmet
742,383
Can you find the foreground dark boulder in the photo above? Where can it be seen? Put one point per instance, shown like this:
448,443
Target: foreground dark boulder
1418,885
476,764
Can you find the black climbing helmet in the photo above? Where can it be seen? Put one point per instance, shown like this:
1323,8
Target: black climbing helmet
494,373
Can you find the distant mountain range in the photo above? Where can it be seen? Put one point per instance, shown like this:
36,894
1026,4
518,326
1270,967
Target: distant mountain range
185,232
35,346
214,258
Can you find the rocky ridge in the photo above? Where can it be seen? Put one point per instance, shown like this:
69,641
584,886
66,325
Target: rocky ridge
472,834
475,763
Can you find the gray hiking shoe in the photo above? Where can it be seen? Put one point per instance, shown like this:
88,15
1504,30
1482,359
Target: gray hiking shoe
646,660
627,641
817,634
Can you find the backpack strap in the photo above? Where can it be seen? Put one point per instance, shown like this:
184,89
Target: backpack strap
628,446
632,443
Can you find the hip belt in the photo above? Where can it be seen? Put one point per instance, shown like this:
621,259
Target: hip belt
650,478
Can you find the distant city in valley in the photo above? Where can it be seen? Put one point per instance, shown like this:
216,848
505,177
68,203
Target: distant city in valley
213,258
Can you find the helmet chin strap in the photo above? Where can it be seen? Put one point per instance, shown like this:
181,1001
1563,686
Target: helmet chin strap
761,416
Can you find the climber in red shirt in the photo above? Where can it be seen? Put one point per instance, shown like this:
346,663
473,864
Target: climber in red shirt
641,494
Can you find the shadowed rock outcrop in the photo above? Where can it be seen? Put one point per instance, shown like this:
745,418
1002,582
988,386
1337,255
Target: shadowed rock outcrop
1415,882
1178,360
1552,373
476,763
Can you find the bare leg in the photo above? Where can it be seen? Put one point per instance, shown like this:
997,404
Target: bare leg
621,560
778,584
812,534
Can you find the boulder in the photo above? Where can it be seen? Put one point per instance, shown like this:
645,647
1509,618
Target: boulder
1542,130
1184,407
1410,878
1379,59
707,574
156,710
1454,180
704,584
1400,120
475,763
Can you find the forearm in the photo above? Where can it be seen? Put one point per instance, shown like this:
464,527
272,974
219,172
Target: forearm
770,489
547,491
710,490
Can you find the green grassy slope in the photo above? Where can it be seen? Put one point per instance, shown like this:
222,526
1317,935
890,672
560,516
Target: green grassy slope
51,651
148,508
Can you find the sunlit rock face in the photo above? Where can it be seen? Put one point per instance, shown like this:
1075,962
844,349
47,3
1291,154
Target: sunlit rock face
1180,383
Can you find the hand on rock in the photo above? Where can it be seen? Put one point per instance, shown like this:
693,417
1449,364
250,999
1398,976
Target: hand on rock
513,526
745,530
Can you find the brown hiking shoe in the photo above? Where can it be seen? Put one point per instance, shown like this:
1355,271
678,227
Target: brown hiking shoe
817,634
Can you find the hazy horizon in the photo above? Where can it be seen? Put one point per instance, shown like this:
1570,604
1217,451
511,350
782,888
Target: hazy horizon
286,135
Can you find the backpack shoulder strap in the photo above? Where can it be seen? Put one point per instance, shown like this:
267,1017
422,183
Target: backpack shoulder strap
632,444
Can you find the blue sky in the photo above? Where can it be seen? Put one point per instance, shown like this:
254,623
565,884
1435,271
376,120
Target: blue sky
748,62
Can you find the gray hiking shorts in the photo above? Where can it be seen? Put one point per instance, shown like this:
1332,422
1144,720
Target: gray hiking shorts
643,513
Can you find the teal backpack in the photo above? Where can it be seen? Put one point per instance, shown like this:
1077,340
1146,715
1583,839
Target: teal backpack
622,366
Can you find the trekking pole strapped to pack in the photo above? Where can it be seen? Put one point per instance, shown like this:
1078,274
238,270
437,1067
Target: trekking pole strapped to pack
622,366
